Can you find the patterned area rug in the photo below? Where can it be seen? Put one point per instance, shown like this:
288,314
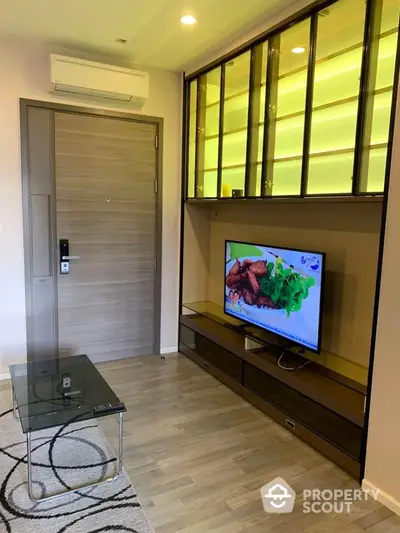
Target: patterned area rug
68,456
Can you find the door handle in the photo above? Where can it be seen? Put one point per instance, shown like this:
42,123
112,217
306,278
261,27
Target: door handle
65,258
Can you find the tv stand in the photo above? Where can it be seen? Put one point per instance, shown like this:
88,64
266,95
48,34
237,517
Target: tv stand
319,406
285,346
239,327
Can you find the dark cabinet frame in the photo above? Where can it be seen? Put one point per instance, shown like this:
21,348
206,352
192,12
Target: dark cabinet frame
364,114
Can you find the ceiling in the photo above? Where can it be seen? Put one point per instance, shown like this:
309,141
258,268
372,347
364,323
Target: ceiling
155,37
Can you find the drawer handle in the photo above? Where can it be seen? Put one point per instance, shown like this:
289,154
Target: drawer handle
206,365
291,424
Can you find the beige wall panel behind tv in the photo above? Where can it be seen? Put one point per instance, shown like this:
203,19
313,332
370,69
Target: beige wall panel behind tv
347,232
196,254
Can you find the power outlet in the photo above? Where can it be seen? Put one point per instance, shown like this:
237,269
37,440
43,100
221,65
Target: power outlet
66,381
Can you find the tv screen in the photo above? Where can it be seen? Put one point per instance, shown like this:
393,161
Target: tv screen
277,289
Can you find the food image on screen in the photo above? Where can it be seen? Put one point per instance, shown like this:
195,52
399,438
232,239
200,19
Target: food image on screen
276,289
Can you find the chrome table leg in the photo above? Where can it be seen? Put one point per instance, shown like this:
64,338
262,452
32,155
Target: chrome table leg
82,487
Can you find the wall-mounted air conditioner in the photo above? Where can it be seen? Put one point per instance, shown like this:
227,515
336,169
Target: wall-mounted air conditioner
77,77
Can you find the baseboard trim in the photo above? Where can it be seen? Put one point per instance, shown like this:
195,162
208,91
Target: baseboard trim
383,497
6,375
172,349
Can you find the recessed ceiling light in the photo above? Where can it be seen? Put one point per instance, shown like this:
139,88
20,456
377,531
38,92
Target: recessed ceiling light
189,20
298,50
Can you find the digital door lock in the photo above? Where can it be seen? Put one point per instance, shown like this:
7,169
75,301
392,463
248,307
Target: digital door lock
65,258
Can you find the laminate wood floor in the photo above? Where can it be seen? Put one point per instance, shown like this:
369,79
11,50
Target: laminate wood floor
198,455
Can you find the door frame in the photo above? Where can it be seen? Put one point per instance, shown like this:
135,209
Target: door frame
158,122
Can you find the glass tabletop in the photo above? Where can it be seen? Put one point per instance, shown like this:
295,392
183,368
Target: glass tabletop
59,391
213,311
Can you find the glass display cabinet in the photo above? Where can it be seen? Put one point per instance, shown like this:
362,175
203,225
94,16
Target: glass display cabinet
306,111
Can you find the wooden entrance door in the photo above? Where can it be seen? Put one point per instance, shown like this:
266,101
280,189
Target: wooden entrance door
103,201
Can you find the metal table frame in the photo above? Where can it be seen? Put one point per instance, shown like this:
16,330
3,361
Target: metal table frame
81,487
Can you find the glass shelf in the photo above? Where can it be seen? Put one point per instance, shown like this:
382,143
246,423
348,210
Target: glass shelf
212,311
341,65
296,157
385,92
250,123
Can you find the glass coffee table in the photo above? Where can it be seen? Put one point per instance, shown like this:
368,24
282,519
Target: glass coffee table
59,392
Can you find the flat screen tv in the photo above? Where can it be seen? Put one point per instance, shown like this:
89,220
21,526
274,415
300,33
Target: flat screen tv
277,289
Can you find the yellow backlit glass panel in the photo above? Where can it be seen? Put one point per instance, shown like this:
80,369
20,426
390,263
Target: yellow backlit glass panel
374,169
246,148
210,93
335,97
284,178
236,106
336,171
256,132
377,168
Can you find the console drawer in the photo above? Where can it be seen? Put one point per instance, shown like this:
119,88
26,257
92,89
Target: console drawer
215,354
332,427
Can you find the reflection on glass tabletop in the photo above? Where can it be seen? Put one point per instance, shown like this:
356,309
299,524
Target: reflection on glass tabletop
59,391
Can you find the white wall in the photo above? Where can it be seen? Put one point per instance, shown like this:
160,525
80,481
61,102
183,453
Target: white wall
24,74
383,461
